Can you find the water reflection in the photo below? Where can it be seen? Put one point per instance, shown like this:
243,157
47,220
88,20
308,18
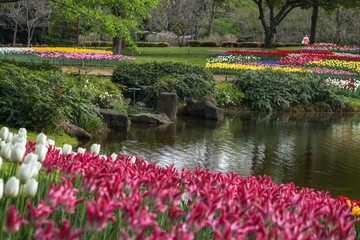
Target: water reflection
312,150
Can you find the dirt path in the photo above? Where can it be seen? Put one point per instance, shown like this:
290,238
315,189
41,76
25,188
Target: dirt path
109,72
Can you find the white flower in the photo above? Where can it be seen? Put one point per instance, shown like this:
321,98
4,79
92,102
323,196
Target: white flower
30,188
31,157
59,149
22,133
17,152
41,139
2,144
50,142
9,137
14,138
6,151
41,150
21,140
26,171
67,149
12,187
132,159
1,188
95,148
4,133
81,150
114,156
36,168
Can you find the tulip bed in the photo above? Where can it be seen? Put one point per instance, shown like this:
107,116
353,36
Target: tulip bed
64,56
335,64
59,194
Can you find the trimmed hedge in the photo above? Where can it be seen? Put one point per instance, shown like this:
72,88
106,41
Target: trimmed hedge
185,80
151,44
98,44
229,44
197,43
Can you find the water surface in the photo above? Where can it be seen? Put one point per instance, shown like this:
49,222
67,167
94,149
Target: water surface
320,151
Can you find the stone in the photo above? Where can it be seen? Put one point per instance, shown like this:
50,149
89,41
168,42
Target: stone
284,104
115,119
75,131
150,118
203,109
167,103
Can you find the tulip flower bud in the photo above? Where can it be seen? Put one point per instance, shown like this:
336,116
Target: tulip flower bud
41,139
6,151
50,142
12,187
36,168
67,149
81,150
21,140
2,144
41,150
30,188
60,149
22,132
9,137
114,156
95,148
1,188
31,157
14,138
4,133
132,159
17,152
26,171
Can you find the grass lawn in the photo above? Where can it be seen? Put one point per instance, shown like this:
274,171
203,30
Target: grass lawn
198,61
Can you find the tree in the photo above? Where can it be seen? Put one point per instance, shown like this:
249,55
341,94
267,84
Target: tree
214,7
276,11
14,13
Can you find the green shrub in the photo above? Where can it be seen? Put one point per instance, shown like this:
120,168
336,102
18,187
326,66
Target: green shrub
229,44
185,80
268,90
194,43
98,44
208,44
250,44
151,44
32,66
228,95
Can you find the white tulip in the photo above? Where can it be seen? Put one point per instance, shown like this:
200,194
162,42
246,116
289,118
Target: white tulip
81,150
41,139
14,138
114,156
31,157
1,188
9,137
17,153
2,144
4,133
41,150
133,159
60,149
22,133
21,140
50,142
67,149
6,151
95,148
12,187
30,188
36,168
26,171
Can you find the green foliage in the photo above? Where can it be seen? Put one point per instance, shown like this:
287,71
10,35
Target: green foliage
185,80
98,44
271,90
32,66
228,95
197,43
151,44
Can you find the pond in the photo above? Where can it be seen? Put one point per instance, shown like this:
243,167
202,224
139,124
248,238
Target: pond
320,151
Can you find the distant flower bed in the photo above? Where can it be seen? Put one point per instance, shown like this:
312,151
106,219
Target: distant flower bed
64,56
60,194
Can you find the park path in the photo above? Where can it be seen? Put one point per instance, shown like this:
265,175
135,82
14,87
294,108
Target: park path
108,71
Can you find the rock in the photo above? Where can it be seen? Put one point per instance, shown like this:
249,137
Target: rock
115,119
150,118
203,109
167,103
284,104
75,131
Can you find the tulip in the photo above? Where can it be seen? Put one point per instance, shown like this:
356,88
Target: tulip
12,187
6,151
30,188
4,133
14,138
41,139
9,137
50,142
17,152
81,150
41,150
1,188
36,168
26,171
132,159
95,148
114,156
22,132
67,149
31,157
21,140
2,144
59,149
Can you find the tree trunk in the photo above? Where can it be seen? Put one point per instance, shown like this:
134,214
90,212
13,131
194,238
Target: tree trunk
314,18
338,27
117,45
212,17
15,33
269,39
